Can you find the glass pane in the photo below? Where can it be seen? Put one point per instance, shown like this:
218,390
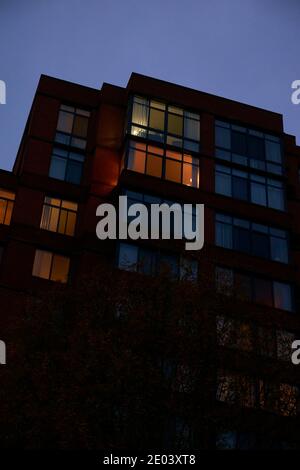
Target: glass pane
243,286
9,209
65,122
224,235
239,188
258,194
169,264
275,198
224,280
174,155
42,264
282,296
279,250
223,138
62,138
140,114
188,269
50,217
136,161
154,166
62,221
128,257
69,205
223,184
191,129
139,131
273,151
78,143
238,143
260,245
241,239
147,262
190,175
74,172
60,269
175,124
284,345
71,223
263,291
173,171
256,148
157,119
58,168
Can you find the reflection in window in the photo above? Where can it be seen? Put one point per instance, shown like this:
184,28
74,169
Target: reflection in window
7,199
151,262
66,166
249,187
248,147
171,125
254,288
48,265
72,126
59,216
166,164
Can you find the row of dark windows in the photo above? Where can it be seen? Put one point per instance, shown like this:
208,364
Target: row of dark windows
248,147
243,335
253,392
253,288
248,237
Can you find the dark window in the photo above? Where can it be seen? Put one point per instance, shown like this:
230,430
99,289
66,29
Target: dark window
239,188
238,143
249,187
260,245
66,166
248,147
241,239
263,291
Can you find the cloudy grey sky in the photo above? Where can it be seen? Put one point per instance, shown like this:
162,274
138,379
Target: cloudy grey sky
247,50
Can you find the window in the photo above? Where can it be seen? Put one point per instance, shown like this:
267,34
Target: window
253,288
134,197
48,265
284,340
59,216
249,187
7,199
150,261
170,125
248,147
249,237
72,126
162,163
252,392
66,166
236,440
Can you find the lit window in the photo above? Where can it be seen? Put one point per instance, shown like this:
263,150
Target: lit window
48,265
59,216
66,166
164,123
170,165
7,199
72,126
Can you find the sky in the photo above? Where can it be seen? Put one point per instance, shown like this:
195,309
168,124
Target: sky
246,50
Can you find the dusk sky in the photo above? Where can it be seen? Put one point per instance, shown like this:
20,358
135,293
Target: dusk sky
246,50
